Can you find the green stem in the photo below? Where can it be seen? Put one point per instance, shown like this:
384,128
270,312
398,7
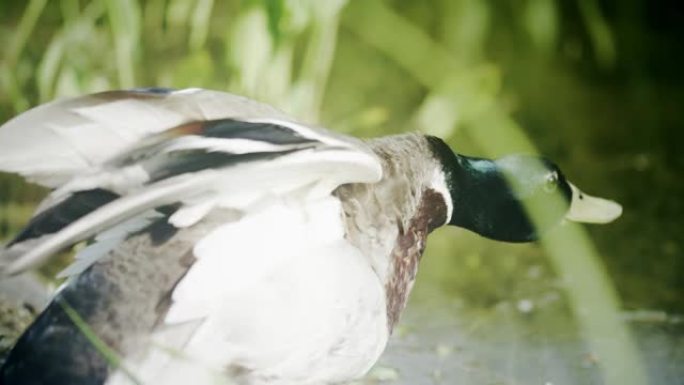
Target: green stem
24,30
108,353
316,65
124,18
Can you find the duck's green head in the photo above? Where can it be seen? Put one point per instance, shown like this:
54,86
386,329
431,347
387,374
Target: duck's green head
494,198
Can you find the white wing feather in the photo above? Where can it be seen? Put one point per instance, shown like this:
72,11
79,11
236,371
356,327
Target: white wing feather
67,145
56,141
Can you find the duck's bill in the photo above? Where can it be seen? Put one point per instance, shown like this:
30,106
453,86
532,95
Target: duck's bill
588,209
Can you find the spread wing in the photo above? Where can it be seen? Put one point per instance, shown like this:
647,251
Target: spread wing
113,156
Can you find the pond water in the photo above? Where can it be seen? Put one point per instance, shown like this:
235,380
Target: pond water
498,314
443,344
444,339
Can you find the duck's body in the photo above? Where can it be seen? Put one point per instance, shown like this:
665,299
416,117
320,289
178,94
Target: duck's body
278,313
229,241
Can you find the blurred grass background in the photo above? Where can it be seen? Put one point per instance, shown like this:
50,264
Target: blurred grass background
596,85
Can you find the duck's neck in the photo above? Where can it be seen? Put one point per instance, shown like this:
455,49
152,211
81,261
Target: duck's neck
476,187
484,202
389,221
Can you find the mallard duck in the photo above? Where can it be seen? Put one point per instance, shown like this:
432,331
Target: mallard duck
227,240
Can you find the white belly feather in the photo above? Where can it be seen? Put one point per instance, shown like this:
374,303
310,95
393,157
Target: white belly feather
279,296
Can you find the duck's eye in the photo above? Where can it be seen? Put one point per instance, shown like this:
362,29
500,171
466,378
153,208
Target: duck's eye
551,182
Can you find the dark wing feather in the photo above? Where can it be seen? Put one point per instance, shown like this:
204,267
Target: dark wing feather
185,162
57,217
264,132
41,355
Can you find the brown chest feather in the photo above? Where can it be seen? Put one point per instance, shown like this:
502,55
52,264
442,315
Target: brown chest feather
408,249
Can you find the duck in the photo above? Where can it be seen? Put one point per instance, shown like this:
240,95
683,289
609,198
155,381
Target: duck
222,241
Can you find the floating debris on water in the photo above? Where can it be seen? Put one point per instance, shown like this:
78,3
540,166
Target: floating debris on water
384,374
443,350
525,306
